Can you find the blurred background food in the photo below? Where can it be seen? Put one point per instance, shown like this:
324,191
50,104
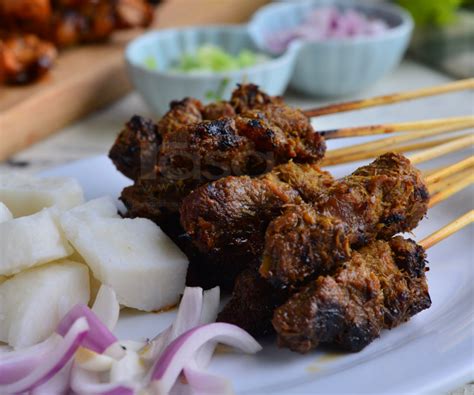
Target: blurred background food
32,30
444,36
321,48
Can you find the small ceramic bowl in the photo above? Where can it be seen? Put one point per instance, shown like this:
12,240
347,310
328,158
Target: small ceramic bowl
342,66
161,85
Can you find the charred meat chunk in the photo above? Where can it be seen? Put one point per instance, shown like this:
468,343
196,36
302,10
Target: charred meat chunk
249,96
229,216
379,200
135,150
374,290
252,304
191,150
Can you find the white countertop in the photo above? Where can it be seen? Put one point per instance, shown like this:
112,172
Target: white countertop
95,134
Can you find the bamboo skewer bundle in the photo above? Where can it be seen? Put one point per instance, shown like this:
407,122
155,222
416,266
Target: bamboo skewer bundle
447,230
454,169
366,150
451,189
413,126
397,139
399,148
450,181
461,143
372,149
446,182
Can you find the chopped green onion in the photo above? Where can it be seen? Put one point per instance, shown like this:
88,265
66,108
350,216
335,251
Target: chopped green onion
213,58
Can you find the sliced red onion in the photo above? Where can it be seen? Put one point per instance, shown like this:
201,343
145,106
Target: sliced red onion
129,369
55,361
17,364
206,383
210,309
84,382
194,309
57,385
90,360
99,338
106,306
181,351
189,312
210,305
327,23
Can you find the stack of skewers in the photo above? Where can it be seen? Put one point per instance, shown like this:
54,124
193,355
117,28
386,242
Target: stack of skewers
314,259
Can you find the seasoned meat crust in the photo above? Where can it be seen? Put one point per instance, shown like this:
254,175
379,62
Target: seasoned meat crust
252,304
376,201
136,147
381,286
195,144
229,216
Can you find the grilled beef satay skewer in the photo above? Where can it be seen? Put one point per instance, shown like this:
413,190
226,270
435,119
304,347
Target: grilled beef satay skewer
270,126
227,219
313,239
254,299
380,287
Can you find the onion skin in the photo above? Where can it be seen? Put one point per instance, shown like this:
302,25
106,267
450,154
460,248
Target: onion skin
83,348
106,307
99,338
181,350
206,383
58,358
17,364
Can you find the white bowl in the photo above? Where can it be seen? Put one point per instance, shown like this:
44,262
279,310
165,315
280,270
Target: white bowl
159,87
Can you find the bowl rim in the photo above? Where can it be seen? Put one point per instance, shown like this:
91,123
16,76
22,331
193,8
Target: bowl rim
405,27
274,60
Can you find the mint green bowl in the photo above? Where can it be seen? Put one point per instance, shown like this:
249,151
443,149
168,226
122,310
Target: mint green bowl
159,87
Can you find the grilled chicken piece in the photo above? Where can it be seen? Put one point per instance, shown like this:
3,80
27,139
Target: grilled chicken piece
75,22
379,287
25,58
30,30
25,16
380,200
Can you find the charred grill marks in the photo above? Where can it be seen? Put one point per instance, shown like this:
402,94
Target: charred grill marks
380,287
376,201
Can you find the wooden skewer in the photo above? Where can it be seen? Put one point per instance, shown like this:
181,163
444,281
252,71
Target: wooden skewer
398,148
447,230
450,190
441,150
447,174
449,181
392,140
448,171
413,126
461,142
393,98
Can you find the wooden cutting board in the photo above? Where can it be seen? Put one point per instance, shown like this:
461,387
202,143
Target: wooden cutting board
90,77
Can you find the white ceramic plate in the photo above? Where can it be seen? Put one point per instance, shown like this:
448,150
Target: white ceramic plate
433,352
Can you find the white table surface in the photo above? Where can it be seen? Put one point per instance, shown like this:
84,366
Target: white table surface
95,134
